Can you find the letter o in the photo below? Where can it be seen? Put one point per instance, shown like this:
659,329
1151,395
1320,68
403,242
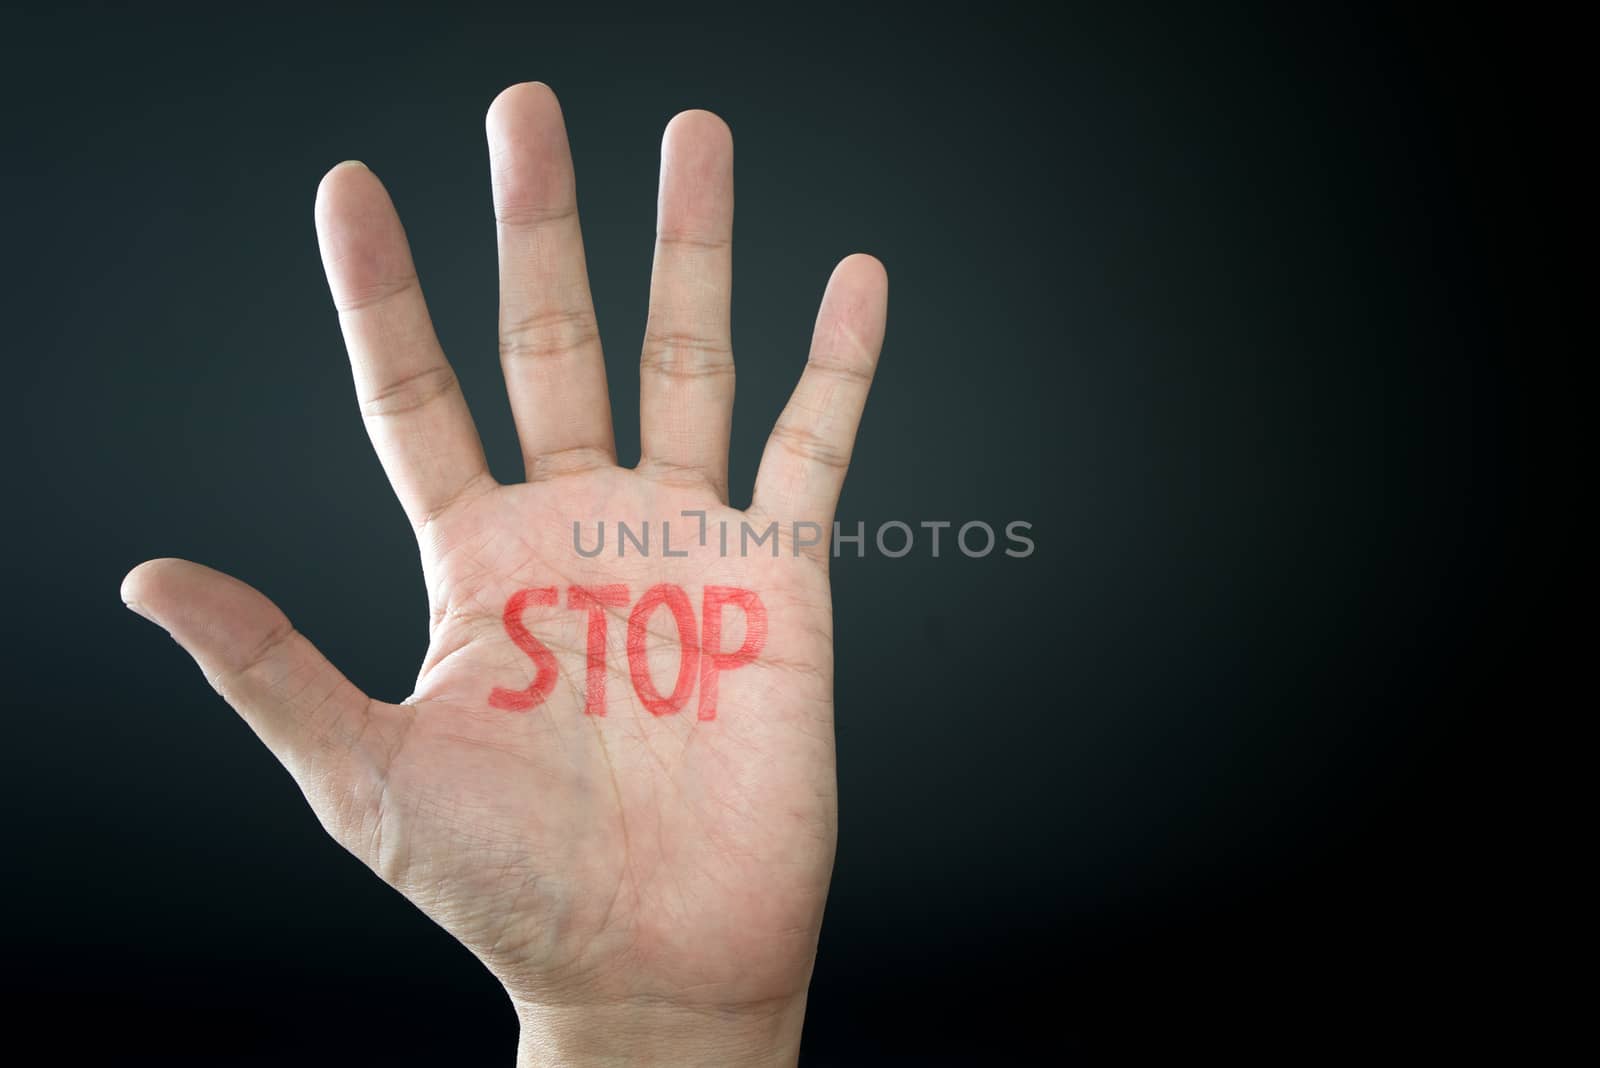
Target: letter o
910,538
688,649
961,538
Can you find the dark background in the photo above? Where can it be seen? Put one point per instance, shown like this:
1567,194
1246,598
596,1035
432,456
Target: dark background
1221,299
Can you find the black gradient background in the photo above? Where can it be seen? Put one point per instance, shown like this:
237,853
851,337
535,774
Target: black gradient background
1216,297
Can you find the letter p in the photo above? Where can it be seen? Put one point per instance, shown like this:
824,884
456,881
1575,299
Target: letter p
713,661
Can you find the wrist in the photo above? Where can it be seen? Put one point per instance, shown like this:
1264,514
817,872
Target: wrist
659,1035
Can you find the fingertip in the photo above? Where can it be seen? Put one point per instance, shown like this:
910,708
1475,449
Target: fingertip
250,654
346,188
167,583
530,162
705,128
857,298
864,270
363,245
696,177
133,581
859,290
142,585
210,613
516,104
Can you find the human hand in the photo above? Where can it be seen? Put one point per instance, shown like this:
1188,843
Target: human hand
614,780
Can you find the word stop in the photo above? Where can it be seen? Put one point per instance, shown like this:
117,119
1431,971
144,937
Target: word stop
700,650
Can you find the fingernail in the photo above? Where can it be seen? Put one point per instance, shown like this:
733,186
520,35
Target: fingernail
138,609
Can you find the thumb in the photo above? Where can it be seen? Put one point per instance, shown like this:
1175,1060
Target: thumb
307,713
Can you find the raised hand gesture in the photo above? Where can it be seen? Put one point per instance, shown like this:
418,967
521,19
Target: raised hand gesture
614,781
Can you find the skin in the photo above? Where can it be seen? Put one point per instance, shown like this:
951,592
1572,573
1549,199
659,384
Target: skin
649,889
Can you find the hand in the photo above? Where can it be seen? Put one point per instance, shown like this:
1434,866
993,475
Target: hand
614,781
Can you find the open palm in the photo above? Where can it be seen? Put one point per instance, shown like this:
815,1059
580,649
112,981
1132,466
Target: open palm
614,781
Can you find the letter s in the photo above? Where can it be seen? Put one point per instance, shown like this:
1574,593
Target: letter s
545,679
1022,539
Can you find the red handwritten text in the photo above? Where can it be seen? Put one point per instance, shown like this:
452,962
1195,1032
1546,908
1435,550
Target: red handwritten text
545,679
700,653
